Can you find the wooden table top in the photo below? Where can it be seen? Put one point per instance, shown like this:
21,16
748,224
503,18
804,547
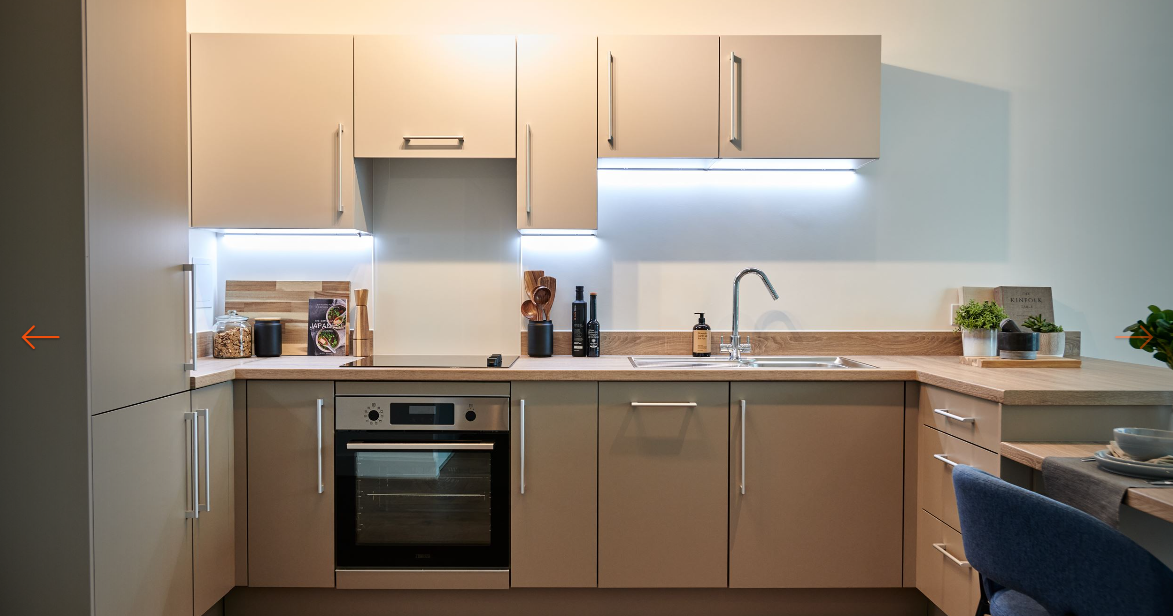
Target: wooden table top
1153,501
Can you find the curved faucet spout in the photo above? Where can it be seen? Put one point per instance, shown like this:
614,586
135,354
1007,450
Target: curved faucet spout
736,348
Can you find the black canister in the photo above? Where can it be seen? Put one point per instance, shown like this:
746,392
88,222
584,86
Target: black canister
267,337
540,338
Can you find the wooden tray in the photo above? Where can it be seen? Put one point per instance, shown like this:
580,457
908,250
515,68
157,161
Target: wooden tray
1042,362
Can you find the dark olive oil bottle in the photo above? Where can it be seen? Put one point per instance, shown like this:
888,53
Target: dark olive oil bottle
578,322
592,329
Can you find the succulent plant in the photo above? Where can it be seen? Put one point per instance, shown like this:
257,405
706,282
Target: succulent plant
986,315
1154,335
1041,325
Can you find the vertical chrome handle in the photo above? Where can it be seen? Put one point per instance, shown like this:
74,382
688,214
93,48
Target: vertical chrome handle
207,415
190,267
743,446
340,131
528,169
523,446
610,99
732,97
321,486
194,512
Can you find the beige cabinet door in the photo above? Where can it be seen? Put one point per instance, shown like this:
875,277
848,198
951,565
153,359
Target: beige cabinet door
142,469
215,530
557,181
266,146
435,96
553,515
663,485
822,465
658,96
291,483
800,97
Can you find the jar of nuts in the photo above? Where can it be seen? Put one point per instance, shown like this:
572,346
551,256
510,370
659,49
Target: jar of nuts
232,337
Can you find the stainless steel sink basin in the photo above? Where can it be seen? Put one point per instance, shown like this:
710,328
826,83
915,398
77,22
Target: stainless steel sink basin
709,363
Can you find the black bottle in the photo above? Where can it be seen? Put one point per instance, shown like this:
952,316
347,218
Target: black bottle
700,338
592,330
578,321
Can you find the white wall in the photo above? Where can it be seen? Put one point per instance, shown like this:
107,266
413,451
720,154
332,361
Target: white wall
1023,143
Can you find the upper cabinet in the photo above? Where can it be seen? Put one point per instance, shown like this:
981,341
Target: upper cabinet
658,96
272,132
800,97
557,182
434,96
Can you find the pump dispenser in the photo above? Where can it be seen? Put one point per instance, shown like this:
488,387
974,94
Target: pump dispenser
700,338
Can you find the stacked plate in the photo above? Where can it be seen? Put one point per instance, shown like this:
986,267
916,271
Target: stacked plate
1133,468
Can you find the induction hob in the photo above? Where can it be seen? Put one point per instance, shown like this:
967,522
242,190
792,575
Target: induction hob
433,361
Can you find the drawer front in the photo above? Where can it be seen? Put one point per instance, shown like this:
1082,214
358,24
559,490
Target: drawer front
942,573
935,472
969,419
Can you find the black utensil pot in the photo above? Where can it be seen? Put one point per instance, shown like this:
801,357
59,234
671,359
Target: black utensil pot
540,338
267,338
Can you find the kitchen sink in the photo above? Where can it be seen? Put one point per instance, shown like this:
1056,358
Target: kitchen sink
793,362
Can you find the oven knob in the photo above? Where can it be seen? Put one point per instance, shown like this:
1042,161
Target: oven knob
471,415
373,415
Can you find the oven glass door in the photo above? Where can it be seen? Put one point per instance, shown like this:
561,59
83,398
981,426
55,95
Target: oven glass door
422,500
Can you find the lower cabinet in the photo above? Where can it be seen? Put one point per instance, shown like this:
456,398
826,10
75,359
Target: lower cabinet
163,524
663,485
816,485
942,573
291,483
554,507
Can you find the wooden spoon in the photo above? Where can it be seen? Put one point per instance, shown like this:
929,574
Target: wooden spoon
550,283
529,310
531,278
541,298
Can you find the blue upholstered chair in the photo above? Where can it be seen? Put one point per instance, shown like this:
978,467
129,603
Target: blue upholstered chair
1039,557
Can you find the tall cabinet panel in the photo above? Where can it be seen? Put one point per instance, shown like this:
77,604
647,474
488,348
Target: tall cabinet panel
142,470
553,513
435,96
800,97
215,530
272,125
136,118
800,518
291,483
557,182
657,96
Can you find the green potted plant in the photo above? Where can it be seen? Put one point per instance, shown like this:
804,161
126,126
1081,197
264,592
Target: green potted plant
978,324
1154,335
1052,340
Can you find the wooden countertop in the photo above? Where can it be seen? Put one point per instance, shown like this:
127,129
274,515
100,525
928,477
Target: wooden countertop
1098,382
1153,501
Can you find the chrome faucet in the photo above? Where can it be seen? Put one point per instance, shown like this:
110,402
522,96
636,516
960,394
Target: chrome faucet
736,348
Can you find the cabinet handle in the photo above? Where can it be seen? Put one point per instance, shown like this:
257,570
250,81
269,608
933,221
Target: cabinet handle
947,415
207,415
194,512
610,100
321,486
940,547
340,131
743,446
523,446
732,97
678,404
190,267
528,169
945,459
439,446
459,138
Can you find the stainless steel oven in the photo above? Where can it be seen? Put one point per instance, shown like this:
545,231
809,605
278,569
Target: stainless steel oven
421,482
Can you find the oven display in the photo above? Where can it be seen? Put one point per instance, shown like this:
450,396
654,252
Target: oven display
442,414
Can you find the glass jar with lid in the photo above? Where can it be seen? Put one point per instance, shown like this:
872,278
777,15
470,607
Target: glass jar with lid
232,337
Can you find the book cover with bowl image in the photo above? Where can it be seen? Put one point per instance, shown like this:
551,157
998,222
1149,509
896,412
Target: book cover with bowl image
327,327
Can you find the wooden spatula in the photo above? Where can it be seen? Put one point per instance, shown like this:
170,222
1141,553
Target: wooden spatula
531,278
550,283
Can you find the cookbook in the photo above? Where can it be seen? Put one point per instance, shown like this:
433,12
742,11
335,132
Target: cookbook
327,327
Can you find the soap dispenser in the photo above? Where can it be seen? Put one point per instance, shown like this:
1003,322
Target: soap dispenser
700,338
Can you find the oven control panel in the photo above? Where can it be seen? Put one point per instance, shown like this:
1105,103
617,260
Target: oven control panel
482,413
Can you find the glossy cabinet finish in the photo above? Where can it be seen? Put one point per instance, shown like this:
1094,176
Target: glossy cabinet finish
658,96
290,523
557,182
663,485
800,97
214,532
142,471
434,86
813,517
265,144
938,452
942,572
554,522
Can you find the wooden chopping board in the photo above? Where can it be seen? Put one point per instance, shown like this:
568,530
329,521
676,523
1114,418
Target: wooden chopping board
288,300
1042,362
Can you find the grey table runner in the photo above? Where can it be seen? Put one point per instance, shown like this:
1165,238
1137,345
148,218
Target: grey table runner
1087,487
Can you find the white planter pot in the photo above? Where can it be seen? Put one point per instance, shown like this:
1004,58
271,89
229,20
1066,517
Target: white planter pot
979,342
1052,344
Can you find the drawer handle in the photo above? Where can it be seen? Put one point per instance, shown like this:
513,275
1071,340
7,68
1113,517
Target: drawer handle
945,459
947,415
669,404
940,547
459,138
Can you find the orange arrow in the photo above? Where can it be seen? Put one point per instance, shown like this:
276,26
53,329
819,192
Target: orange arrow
1147,337
26,337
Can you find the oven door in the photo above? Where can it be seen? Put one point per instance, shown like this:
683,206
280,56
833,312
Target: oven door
421,500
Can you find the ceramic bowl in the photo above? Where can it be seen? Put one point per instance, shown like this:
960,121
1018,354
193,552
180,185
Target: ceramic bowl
1144,443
